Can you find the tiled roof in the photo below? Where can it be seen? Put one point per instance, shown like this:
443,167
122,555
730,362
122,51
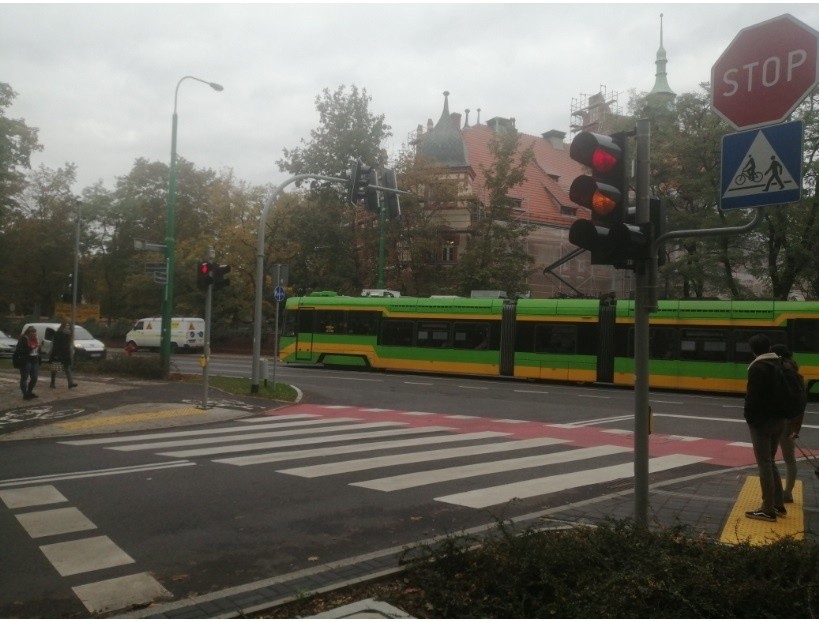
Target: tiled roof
548,176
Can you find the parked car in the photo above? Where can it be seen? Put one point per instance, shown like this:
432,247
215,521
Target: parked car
7,345
86,347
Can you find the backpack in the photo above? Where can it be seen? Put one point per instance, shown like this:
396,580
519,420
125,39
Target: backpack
789,389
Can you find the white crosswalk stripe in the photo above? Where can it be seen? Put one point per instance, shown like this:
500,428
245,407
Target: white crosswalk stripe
475,457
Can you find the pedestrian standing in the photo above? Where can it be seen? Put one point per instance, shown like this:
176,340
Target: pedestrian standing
62,353
27,354
766,424
790,432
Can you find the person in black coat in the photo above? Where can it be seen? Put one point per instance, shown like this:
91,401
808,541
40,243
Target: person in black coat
766,424
62,352
27,359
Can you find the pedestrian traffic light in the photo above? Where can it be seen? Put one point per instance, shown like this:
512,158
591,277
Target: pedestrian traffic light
204,274
359,180
608,235
219,280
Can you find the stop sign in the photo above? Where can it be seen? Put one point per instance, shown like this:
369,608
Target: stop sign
765,72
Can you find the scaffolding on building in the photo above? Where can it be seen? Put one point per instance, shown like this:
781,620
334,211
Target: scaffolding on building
590,112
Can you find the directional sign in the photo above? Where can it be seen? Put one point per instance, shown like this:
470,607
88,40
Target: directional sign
278,294
765,72
762,166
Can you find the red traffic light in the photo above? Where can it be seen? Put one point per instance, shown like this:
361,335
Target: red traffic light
598,152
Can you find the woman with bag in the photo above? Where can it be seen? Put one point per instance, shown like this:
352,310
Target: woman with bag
27,359
62,351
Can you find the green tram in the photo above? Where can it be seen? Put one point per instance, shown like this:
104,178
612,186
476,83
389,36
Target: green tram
693,345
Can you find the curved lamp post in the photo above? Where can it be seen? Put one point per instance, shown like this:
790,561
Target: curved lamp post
167,301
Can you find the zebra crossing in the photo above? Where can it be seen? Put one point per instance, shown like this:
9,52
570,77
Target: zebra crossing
458,458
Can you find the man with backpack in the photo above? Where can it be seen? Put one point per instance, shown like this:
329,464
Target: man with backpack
766,422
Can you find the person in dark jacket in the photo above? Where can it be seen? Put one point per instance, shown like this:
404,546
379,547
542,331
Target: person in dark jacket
62,351
28,354
766,425
791,430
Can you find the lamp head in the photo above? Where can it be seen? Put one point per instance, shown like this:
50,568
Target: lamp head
216,87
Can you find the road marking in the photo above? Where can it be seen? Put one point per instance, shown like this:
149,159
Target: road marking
32,496
54,522
120,593
120,419
83,555
261,446
501,494
153,446
429,477
356,465
87,474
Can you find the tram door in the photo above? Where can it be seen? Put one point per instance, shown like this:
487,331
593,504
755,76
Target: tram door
605,352
507,341
304,334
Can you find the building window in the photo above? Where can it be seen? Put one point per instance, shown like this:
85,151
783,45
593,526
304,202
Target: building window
449,251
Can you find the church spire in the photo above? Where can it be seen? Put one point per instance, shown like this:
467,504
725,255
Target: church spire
661,86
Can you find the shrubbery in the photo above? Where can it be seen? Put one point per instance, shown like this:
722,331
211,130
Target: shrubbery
616,570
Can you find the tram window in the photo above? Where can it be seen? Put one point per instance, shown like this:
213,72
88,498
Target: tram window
394,332
330,321
524,337
742,352
587,339
662,343
555,339
306,320
289,328
362,322
470,335
704,345
805,336
432,334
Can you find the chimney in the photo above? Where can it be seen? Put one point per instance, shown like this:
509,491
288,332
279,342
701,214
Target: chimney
456,119
555,138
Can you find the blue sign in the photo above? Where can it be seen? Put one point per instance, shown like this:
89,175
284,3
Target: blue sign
278,294
762,166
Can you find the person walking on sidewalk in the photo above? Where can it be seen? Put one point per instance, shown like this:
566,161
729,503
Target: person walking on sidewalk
27,354
62,351
790,432
766,426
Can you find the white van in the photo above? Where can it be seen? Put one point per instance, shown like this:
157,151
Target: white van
86,347
186,333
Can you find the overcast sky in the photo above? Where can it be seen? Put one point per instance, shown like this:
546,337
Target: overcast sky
98,80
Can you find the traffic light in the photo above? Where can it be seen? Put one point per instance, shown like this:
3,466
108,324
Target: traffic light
610,235
372,203
219,280
359,180
393,201
204,274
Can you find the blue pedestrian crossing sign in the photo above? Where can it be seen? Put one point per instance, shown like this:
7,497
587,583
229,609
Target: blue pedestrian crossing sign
762,166
279,294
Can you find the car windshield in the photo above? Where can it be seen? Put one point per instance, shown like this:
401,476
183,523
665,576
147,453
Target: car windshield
82,334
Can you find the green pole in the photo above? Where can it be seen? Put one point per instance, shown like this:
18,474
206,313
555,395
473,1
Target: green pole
382,219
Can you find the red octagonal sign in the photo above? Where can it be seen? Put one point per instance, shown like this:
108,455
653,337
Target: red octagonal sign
765,72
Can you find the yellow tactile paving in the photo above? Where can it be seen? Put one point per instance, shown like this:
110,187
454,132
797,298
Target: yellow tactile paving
739,528
130,418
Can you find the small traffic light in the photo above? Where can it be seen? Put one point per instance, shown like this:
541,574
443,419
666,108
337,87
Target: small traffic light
393,201
204,274
219,280
372,203
359,180
608,235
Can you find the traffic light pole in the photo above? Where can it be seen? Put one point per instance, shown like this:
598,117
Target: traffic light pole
645,303
257,314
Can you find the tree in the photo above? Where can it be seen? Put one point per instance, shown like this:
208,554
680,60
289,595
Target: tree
496,257
17,142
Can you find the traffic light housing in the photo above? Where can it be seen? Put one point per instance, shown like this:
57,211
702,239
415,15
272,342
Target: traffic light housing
219,279
359,180
393,200
204,274
612,237
371,203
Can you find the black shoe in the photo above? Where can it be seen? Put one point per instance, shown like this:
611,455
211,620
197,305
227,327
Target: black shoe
781,511
72,385
27,397
788,496
31,395
759,514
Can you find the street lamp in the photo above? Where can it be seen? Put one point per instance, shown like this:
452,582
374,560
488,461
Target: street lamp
167,302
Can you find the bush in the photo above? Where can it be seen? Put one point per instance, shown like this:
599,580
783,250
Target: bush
616,570
133,366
